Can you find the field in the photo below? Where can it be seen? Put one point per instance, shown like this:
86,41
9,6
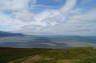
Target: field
41,55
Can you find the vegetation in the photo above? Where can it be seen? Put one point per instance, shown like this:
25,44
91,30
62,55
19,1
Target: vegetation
40,55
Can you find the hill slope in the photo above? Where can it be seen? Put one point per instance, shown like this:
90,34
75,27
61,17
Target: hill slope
4,34
37,55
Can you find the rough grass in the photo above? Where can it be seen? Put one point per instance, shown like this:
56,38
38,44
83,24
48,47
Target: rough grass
68,55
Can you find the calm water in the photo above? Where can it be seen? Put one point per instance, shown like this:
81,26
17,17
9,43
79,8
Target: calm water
47,42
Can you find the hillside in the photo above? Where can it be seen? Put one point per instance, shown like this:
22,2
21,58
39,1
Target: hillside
6,34
37,55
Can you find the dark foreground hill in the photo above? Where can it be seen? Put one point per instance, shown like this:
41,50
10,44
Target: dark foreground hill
39,55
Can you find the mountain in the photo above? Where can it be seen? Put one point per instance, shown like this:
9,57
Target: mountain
4,34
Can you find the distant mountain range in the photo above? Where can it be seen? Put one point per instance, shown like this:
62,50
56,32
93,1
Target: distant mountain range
5,34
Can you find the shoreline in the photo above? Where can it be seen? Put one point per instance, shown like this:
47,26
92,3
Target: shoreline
47,45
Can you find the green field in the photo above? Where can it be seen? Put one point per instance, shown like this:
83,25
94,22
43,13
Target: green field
40,55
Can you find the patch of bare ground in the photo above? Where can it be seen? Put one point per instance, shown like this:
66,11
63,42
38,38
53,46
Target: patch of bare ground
30,59
17,60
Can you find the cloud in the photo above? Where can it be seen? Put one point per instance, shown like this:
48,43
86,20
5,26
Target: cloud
18,18
68,20
70,4
9,24
15,5
77,24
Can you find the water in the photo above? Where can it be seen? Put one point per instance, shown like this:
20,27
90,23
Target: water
47,42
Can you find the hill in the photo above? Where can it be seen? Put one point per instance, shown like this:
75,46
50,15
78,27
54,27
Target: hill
7,34
39,55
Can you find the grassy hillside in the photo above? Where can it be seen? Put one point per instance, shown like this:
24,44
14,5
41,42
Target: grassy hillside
36,55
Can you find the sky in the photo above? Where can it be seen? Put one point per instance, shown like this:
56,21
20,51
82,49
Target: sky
63,17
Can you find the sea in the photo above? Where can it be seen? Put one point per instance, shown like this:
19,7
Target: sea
39,41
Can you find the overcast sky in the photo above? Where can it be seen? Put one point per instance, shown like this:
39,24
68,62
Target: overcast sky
66,17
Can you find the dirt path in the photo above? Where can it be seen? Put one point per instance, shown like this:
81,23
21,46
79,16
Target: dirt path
33,59
30,59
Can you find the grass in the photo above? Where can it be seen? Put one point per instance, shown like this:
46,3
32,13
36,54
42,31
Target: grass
68,55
